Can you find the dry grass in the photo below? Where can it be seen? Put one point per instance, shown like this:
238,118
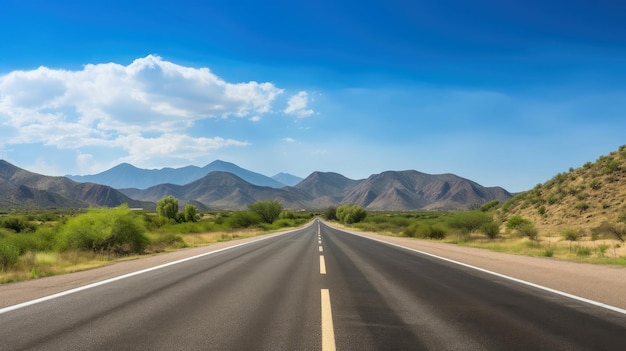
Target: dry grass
41,264
603,251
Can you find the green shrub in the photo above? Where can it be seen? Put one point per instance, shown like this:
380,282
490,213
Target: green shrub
490,206
243,219
491,229
516,221
349,214
426,231
168,207
583,251
331,213
116,231
549,252
468,221
571,235
18,224
9,255
528,230
541,210
268,211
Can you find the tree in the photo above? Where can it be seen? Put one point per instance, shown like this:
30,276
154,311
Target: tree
168,207
191,213
267,210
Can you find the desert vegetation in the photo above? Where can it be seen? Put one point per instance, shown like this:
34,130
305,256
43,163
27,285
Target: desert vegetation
39,243
579,215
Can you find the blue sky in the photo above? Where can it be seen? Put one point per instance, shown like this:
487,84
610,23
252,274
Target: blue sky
504,93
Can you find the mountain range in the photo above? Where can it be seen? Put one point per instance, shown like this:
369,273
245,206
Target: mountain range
128,176
23,189
228,190
392,190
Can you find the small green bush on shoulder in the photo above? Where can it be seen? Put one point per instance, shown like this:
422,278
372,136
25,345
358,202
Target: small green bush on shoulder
349,214
115,231
269,211
243,219
491,229
9,255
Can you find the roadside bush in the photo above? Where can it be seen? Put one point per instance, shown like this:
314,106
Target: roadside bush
349,214
618,231
426,231
571,235
191,213
516,221
268,211
243,219
468,221
287,215
18,224
491,229
168,207
331,213
115,231
528,230
9,255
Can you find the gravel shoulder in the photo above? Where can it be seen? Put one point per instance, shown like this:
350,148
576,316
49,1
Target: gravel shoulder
605,284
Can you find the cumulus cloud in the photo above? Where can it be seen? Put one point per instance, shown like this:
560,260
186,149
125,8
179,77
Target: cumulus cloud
297,105
289,140
145,107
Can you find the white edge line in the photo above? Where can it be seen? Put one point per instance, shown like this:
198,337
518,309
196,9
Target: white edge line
541,287
114,279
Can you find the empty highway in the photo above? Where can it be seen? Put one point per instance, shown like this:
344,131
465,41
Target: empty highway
316,288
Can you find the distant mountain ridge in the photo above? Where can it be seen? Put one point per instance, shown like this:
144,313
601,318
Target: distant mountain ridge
392,190
223,190
23,189
287,179
128,176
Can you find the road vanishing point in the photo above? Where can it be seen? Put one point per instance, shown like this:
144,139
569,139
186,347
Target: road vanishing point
314,288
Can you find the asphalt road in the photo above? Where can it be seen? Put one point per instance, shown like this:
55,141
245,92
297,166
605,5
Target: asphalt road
311,289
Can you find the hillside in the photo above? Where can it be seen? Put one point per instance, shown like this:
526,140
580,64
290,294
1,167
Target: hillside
402,190
388,191
222,191
579,198
22,189
128,176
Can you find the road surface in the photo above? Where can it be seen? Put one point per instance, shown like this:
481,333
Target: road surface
316,288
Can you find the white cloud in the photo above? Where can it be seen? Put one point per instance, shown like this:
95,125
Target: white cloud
145,108
170,146
297,105
289,140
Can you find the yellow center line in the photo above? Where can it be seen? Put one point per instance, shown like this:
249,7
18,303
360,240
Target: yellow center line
321,249
319,242
322,265
328,331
